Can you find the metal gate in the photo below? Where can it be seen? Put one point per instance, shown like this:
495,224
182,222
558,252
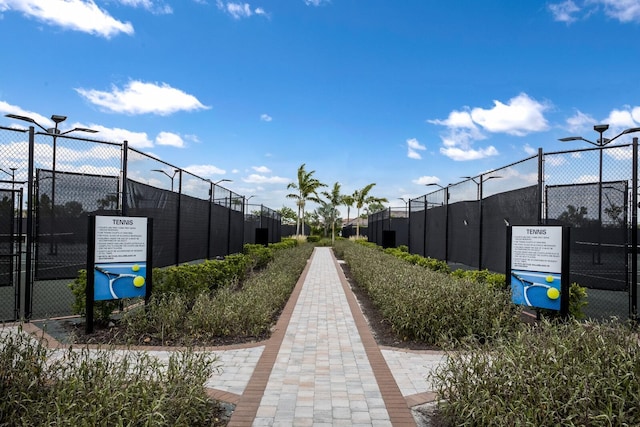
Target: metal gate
10,252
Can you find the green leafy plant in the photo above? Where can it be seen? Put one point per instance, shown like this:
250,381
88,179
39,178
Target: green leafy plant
102,309
552,373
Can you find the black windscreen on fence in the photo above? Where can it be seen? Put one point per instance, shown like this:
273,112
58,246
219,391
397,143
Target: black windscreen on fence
437,232
417,220
236,232
598,233
162,205
194,224
464,233
61,244
220,217
517,207
6,236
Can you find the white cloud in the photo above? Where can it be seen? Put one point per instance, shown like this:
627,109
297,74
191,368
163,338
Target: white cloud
412,148
6,108
171,139
152,6
579,121
239,10
468,154
205,171
77,15
520,116
529,150
261,179
424,180
261,169
315,2
622,10
265,118
137,140
143,98
622,119
565,11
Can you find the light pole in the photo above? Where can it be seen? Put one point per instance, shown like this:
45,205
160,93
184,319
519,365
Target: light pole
406,205
13,176
55,132
171,177
247,202
600,144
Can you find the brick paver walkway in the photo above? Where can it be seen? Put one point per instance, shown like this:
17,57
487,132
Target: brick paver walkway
321,366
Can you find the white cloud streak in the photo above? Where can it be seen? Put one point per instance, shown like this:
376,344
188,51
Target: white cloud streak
240,10
143,98
76,15
170,139
621,10
413,146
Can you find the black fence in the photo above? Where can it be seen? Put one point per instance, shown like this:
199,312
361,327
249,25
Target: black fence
43,235
389,227
594,191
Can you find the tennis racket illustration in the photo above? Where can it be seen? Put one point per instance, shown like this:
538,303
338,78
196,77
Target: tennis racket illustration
551,292
112,277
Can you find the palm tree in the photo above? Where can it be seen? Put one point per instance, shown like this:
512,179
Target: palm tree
335,199
348,201
307,187
361,197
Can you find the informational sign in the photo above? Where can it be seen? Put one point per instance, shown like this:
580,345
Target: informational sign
120,257
538,266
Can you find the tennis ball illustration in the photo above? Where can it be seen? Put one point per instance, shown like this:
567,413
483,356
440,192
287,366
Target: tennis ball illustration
553,293
138,281
135,267
549,279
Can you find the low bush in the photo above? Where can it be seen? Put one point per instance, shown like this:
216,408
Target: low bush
549,374
429,306
248,311
93,388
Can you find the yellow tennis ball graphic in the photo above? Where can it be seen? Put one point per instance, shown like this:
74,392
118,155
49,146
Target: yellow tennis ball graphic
138,281
553,293
135,267
549,279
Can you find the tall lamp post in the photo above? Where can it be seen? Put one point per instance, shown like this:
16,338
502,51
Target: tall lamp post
171,177
600,143
55,132
406,205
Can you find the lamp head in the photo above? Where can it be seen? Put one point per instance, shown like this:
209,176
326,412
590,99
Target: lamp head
58,119
600,128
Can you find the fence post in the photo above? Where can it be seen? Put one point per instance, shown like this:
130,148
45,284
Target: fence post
178,219
28,286
123,193
540,179
634,234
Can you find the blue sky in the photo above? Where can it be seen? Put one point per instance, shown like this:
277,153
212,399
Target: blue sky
399,93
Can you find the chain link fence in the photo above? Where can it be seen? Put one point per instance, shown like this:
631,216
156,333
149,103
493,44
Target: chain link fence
590,190
65,179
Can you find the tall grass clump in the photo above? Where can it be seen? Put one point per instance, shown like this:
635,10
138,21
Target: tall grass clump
429,306
81,387
569,374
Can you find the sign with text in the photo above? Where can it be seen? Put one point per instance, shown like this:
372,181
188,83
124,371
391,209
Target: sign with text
120,257
538,266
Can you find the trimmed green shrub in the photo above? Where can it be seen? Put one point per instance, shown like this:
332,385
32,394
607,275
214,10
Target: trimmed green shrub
313,238
102,309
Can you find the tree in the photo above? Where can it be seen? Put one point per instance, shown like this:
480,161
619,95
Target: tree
348,201
287,215
361,197
335,199
307,190
575,216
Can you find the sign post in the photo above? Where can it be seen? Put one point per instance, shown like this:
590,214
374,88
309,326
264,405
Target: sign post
538,266
118,260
